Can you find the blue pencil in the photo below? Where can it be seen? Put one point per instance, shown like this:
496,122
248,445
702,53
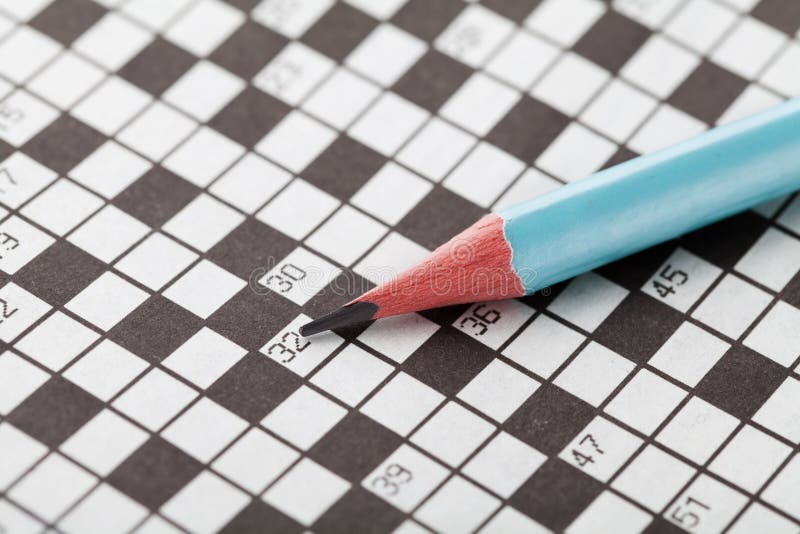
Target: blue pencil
604,217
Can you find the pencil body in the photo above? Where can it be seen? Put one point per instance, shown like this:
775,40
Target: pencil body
654,198
599,219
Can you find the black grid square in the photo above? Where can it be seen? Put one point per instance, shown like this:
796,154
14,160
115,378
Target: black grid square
339,31
155,329
448,361
156,196
59,273
360,511
556,494
741,381
549,419
432,80
249,49
158,66
438,217
66,20
258,516
638,327
249,116
723,243
355,447
344,167
63,144
254,387
781,14
55,411
250,249
708,92
427,18
155,472
612,41
528,129
512,9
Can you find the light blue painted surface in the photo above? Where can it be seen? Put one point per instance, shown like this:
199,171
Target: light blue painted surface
655,197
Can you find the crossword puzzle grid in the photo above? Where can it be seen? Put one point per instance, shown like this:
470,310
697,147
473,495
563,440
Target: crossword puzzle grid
183,182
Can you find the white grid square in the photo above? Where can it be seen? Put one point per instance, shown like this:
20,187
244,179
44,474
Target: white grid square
20,452
660,66
104,442
255,460
18,380
156,131
107,300
435,149
681,280
203,157
108,233
618,110
570,83
651,15
379,10
20,242
469,178
386,54
531,184
204,429
667,126
398,337
509,520
110,169
306,492
293,73
298,209
747,49
104,510
105,370
750,458
492,323
391,193
290,276
341,98
154,399
20,310
600,449
732,306
300,355
759,262
782,493
52,487
700,24
203,222
758,517
391,256
498,390
155,261
56,341
713,503
290,22
491,29
389,123
777,335
204,288
479,104
565,21
458,506
65,80
112,41
62,207
204,357
24,52
588,300
109,107
781,412
250,182
780,75
346,236
610,513
204,90
23,10
636,480
697,430
452,434
689,354
351,375
13,191
543,346
319,415
504,464
296,141
23,116
206,504
154,14
594,373
559,158
402,403
645,401
205,26
523,59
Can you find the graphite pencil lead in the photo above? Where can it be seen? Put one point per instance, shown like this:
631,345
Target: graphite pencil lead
347,315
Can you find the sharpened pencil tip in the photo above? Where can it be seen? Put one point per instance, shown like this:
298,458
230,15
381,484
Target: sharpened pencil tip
358,312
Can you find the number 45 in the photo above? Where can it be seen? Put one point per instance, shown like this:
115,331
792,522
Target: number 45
668,278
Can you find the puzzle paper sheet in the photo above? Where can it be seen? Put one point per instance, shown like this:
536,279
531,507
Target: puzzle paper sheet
186,182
